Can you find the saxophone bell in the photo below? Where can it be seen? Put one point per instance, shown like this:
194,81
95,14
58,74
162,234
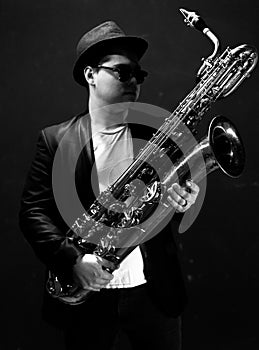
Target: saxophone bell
226,146
222,148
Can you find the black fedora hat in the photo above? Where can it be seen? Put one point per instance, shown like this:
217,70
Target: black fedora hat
100,41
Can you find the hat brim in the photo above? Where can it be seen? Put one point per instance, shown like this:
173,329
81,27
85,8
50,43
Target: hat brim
134,44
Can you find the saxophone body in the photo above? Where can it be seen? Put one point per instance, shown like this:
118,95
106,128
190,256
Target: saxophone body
101,229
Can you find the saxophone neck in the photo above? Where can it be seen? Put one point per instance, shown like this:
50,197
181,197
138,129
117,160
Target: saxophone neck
195,21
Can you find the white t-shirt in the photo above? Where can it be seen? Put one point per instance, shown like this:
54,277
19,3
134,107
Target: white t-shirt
113,150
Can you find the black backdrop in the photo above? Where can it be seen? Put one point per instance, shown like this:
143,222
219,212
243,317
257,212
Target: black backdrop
220,251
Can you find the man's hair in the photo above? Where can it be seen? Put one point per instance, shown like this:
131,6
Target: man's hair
94,64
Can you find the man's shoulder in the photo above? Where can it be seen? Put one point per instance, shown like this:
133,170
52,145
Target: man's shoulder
62,126
55,132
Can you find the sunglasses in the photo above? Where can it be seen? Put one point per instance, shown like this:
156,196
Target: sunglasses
124,72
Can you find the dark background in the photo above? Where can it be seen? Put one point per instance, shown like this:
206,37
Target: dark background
220,251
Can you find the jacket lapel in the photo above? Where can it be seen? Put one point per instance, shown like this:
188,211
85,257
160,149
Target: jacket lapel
86,172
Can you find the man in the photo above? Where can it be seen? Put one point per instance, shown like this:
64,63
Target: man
145,296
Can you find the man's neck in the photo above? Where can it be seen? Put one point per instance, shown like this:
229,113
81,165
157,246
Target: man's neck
106,116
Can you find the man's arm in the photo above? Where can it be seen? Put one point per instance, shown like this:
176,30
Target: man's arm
45,230
39,218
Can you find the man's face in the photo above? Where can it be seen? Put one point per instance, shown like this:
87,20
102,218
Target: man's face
108,88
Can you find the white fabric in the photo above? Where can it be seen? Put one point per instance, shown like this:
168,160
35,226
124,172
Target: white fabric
113,150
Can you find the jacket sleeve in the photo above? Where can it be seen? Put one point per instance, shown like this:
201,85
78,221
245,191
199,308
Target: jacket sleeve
39,218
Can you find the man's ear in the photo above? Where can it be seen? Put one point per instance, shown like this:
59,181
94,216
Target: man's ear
89,75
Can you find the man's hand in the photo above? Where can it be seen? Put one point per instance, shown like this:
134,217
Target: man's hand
181,198
89,274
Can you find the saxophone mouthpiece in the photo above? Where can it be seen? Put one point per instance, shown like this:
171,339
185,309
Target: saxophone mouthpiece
193,20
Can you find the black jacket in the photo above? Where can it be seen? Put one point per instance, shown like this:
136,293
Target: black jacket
44,227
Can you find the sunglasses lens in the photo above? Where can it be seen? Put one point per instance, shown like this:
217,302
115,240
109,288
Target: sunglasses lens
126,73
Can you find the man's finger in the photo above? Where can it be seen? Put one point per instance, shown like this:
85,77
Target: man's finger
178,194
92,288
106,264
193,187
176,188
176,205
